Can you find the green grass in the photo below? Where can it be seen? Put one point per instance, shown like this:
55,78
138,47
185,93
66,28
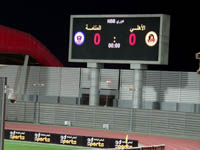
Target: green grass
21,145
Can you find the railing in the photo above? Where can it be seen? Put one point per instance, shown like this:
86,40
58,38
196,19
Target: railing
120,119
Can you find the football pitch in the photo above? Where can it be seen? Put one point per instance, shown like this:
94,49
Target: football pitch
22,145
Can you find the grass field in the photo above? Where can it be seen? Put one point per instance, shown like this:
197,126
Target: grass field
19,145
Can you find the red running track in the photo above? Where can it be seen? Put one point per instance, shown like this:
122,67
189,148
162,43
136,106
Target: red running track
145,140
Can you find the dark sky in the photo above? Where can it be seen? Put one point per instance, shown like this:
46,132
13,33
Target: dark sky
49,23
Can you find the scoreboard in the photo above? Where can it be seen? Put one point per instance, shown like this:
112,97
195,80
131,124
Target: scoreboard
141,39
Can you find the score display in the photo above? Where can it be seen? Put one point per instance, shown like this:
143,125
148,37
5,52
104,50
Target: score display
141,39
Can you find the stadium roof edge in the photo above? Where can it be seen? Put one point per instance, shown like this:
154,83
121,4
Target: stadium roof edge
13,41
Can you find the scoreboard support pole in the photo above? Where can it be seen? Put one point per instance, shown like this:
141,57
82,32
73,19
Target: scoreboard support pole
138,84
94,83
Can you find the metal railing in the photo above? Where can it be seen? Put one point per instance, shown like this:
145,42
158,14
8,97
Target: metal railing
120,119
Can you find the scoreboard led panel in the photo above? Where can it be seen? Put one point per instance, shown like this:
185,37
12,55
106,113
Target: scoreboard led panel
141,39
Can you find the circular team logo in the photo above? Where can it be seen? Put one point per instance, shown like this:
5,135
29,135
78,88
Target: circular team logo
151,38
79,38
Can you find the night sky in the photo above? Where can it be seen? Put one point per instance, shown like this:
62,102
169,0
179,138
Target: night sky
49,23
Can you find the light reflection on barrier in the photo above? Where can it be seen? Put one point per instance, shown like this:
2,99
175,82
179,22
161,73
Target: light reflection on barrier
154,147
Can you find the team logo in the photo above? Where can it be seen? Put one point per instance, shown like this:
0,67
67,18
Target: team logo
79,38
151,38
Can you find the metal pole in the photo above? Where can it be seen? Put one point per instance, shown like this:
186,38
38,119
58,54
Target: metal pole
94,87
3,106
138,84
138,81
94,83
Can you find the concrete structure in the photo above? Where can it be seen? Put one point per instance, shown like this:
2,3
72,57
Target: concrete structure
167,90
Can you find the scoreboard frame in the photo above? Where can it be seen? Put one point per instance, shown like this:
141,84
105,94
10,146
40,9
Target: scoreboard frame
163,47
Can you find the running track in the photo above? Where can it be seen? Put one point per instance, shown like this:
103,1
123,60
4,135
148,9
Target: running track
146,140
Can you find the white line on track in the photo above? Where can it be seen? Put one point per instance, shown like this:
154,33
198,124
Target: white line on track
42,144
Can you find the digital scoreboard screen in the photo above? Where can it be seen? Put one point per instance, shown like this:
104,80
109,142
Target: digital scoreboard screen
141,39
